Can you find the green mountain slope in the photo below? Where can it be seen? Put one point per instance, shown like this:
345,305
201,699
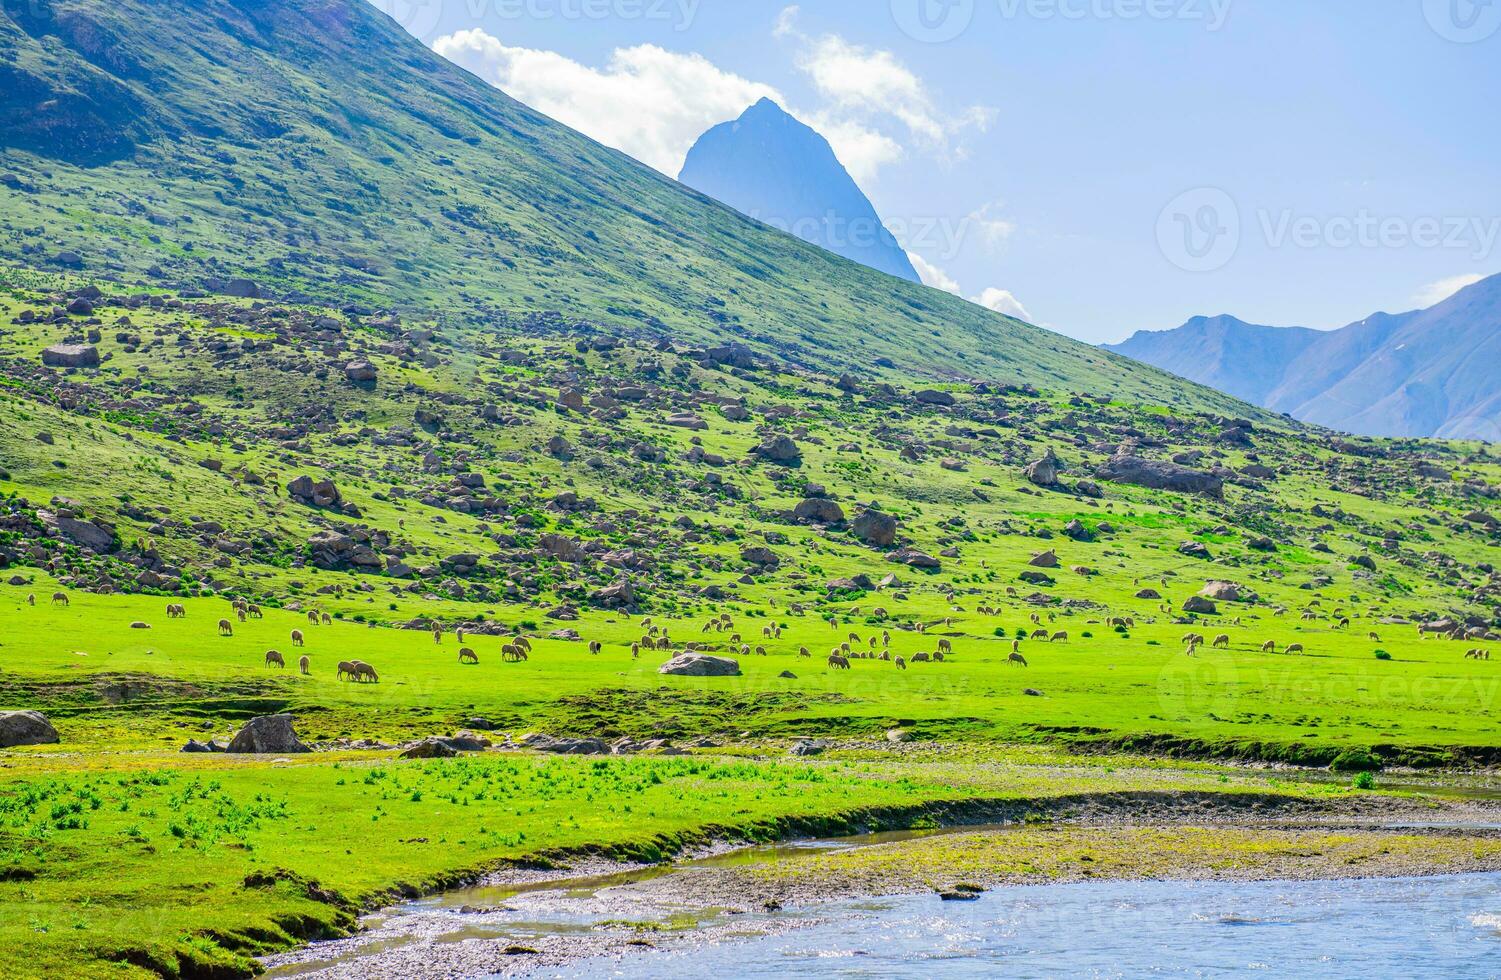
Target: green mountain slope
315,147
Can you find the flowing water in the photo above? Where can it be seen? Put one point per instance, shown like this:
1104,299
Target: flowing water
1441,928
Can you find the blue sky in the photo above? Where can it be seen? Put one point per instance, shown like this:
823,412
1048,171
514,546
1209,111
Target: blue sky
1103,165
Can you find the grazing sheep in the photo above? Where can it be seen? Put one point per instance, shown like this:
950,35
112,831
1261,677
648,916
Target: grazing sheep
1222,642
1018,659
523,643
803,652
510,653
347,668
838,663
273,659
1040,635
1270,646
1375,638
468,656
595,647
945,646
437,634
326,619
364,671
254,611
920,658
1036,620
1061,637
458,633
635,650
60,599
901,664
303,663
239,614
938,657
312,617
760,651
1294,648
225,629
297,638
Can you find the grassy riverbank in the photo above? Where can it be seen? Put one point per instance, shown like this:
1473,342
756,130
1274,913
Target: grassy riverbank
133,863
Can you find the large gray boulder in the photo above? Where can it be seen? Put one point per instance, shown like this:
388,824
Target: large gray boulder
779,449
818,510
71,356
700,665
267,735
1044,472
25,728
1159,475
875,528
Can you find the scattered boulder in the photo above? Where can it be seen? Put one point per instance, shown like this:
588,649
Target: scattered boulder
1194,549
430,748
25,728
779,448
818,510
1044,559
71,356
700,665
875,528
913,558
1159,475
361,372
314,493
1199,604
1227,592
929,396
1044,472
267,735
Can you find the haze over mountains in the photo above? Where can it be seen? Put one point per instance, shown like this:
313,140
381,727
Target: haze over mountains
1421,373
773,168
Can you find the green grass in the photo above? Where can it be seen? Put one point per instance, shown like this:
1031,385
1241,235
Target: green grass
1305,707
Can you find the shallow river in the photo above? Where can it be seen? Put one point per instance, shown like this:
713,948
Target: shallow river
1448,927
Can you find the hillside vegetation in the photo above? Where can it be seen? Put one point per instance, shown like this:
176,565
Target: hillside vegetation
395,485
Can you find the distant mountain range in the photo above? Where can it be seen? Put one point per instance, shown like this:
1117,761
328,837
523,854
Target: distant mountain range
1430,372
771,167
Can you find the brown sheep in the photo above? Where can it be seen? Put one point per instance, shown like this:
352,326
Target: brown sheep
1375,638
364,671
468,656
920,658
803,652
1270,646
1294,648
347,668
1222,642
225,629
60,599
312,617
1040,635
595,647
945,646
254,611
838,663
273,658
326,619
297,638
1017,659
437,634
901,664
303,663
1061,637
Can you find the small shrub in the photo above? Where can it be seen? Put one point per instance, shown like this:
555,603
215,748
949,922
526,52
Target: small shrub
1383,655
1364,780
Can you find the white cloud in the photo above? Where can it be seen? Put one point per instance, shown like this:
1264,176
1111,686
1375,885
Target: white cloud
647,101
786,22
865,90
993,229
1002,301
933,276
862,150
1436,292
